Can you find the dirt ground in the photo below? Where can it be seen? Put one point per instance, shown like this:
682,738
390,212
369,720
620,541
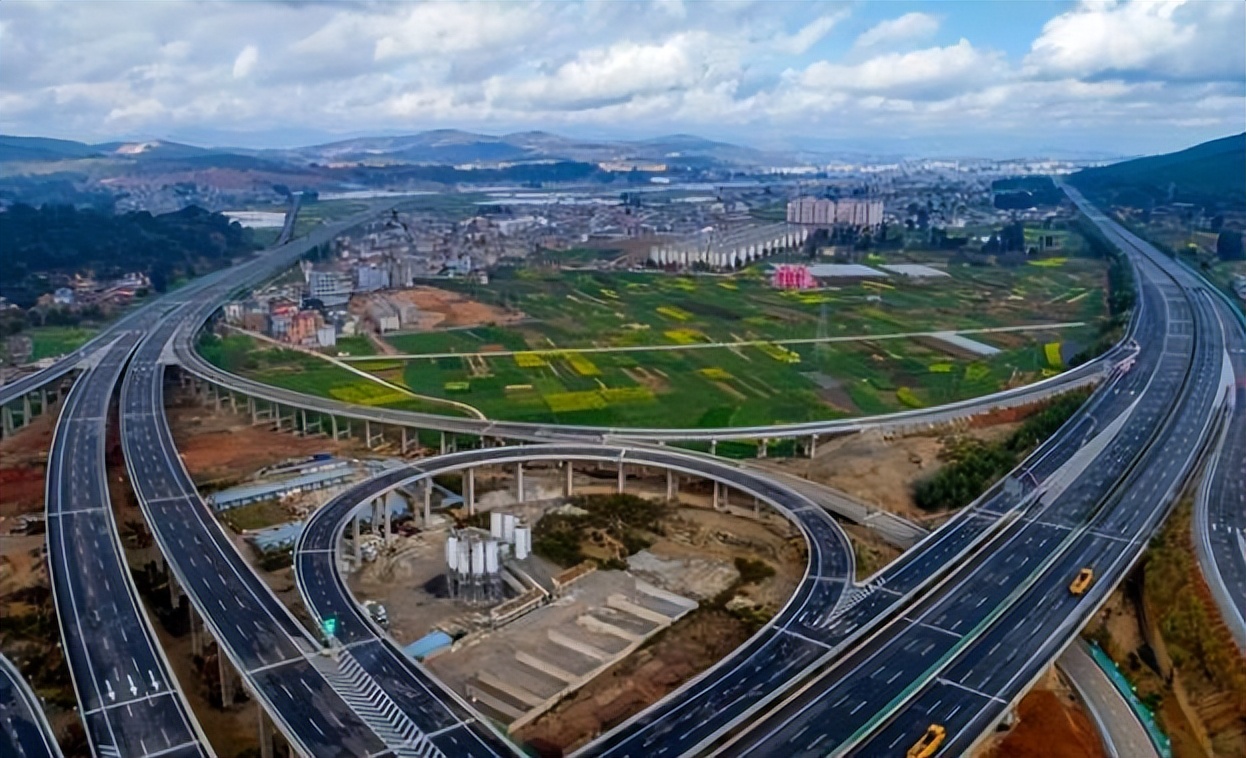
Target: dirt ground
23,458
871,552
28,633
1051,723
440,309
688,647
881,471
220,449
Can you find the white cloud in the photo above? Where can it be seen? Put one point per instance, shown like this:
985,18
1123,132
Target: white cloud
755,69
927,74
606,76
910,26
1169,39
244,64
809,35
448,28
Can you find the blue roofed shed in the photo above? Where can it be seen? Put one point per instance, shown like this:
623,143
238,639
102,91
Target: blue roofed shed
427,645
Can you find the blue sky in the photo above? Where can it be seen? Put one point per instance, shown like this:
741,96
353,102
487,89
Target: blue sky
965,78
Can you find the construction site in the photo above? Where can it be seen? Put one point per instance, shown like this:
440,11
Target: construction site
520,631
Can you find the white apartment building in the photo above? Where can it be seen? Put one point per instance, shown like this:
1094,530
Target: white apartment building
821,211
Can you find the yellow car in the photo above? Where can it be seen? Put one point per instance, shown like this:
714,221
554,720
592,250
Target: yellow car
929,744
1082,581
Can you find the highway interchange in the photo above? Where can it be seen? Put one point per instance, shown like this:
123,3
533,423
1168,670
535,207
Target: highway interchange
953,632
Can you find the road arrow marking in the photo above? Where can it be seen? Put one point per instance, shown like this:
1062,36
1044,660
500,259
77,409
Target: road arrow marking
133,686
108,687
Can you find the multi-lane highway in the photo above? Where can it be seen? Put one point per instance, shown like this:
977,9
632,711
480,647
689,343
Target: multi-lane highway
273,653
1220,507
24,730
128,698
962,654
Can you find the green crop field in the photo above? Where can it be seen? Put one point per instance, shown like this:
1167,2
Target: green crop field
300,372
664,355
50,341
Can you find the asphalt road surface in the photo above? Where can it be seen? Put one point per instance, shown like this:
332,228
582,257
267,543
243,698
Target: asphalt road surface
24,731
128,699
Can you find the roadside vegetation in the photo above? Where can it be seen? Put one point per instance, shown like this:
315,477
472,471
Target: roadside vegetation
1122,292
973,465
609,528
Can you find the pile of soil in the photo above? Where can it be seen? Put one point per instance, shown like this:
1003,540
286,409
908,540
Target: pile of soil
220,447
1050,725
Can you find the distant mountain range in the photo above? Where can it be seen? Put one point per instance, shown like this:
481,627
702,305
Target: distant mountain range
1212,173
438,147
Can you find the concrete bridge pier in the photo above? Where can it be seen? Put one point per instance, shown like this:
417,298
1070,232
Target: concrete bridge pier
443,443
519,482
813,445
762,444
428,501
469,491
568,475
230,678
713,447
7,422
378,511
354,538
622,477
370,440
672,485
265,731
175,589
196,633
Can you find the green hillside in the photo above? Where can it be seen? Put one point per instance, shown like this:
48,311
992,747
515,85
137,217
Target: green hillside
1211,174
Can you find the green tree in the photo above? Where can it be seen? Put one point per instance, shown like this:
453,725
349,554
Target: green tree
1229,246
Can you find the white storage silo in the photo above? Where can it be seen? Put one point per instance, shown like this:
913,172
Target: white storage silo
491,557
508,528
452,553
495,525
523,542
478,559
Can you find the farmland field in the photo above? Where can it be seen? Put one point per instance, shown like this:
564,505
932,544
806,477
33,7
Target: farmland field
679,367
50,341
